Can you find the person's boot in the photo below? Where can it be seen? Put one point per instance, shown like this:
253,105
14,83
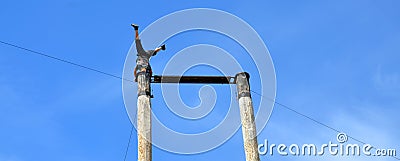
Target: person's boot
163,47
136,27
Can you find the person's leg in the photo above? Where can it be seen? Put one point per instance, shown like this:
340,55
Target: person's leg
136,34
136,27
138,43
162,47
139,47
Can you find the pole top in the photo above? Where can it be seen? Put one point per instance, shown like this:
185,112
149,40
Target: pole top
242,84
243,74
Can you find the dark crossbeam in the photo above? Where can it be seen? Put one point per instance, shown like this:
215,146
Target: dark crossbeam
193,79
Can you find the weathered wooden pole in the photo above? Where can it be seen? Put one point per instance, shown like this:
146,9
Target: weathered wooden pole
144,117
247,117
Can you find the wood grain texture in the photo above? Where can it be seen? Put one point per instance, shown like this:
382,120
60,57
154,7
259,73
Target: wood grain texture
144,120
247,118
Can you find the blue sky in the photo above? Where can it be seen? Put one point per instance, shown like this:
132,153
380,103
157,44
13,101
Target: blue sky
334,61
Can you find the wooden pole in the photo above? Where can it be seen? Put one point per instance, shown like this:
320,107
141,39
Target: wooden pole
247,117
144,117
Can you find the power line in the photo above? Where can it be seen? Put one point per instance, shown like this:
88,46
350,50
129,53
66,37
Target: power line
118,77
310,118
129,142
64,61
297,112
77,65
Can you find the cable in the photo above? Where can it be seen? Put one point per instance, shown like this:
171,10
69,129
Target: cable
310,118
77,65
118,77
129,142
297,112
65,61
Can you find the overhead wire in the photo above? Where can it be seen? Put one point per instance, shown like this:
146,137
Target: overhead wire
77,65
312,119
64,61
129,142
119,77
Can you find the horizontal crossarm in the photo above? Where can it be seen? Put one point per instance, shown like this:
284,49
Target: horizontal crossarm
193,79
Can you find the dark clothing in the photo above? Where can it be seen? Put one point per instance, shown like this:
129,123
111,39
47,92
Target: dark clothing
143,55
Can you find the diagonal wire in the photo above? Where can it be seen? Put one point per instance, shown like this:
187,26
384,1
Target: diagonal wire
129,142
310,118
77,65
118,77
64,61
297,112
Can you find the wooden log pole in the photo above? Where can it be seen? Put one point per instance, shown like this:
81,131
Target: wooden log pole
247,117
144,117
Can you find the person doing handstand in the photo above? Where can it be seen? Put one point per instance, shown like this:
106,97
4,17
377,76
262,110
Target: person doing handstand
143,56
